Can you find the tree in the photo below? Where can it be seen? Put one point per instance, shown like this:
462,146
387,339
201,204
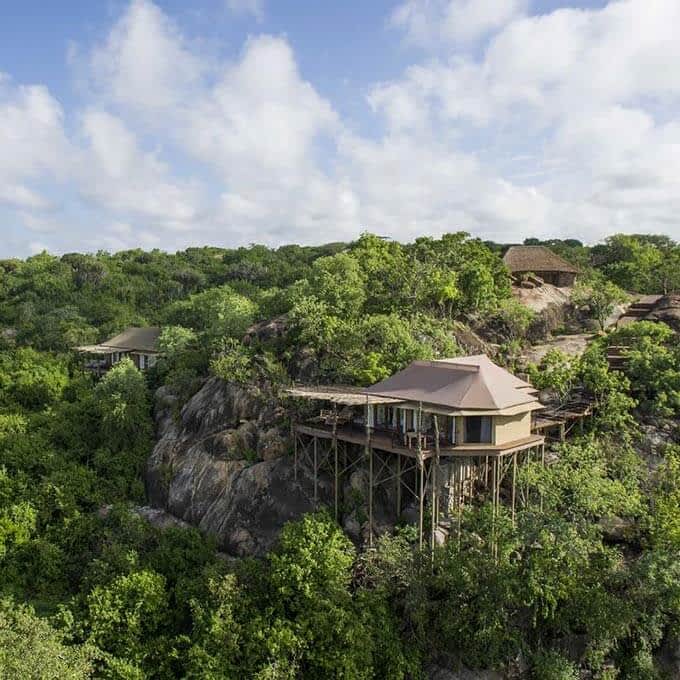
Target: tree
31,379
557,372
31,648
598,298
125,617
122,402
338,282
216,313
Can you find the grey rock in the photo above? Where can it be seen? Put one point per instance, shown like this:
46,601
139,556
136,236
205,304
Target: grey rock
220,465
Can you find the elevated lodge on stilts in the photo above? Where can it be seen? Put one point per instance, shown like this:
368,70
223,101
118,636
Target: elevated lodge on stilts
435,436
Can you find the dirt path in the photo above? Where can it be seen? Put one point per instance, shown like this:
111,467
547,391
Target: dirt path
573,345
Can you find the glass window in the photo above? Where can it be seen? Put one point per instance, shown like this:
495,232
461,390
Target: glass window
478,429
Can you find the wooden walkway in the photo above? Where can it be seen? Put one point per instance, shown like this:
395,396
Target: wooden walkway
391,442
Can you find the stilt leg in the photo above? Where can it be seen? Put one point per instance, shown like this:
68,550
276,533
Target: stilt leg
514,488
398,486
295,456
370,498
316,472
421,498
335,462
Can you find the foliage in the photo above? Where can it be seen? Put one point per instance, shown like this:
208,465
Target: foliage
216,313
31,648
122,403
556,372
652,365
31,379
597,297
641,263
118,598
512,319
665,523
233,364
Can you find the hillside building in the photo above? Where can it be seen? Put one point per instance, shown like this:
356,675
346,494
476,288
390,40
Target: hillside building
541,262
436,434
139,344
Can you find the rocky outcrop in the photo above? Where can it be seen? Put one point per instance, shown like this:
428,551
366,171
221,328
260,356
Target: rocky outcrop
667,309
266,331
220,464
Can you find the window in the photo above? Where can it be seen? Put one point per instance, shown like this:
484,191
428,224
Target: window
478,430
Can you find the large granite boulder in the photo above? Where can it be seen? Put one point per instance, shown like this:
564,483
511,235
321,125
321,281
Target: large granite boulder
222,464
667,309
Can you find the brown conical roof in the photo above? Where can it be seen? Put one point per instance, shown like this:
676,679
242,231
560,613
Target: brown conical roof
536,259
473,382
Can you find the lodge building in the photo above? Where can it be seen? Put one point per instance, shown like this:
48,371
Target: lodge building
437,434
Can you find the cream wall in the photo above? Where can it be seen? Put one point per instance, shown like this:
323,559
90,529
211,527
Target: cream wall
510,428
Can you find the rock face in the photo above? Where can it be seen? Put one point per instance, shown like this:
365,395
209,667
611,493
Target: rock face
220,464
667,310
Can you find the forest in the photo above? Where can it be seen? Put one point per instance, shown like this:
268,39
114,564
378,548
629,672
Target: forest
585,584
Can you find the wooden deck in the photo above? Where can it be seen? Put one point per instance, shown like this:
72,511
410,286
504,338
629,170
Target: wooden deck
390,442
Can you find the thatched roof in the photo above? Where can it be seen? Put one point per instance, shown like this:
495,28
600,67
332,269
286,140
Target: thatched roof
473,383
536,259
130,340
348,396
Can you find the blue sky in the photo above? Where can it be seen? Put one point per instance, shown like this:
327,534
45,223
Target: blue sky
165,124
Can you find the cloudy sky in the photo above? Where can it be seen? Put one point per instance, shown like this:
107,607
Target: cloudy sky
167,124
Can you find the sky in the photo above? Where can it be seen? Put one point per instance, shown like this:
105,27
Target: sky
167,124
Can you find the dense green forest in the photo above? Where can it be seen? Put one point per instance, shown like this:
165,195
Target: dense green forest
89,589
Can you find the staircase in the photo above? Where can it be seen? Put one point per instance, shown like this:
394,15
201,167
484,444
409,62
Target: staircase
639,309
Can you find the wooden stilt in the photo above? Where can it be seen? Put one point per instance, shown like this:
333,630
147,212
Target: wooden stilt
398,478
369,454
421,468
316,472
295,456
421,498
514,489
543,466
370,497
335,463
435,482
459,497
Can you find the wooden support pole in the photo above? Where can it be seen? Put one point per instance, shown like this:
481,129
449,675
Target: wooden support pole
526,497
295,455
421,498
494,483
459,496
370,497
543,466
335,461
398,486
421,467
316,472
435,482
514,488
369,454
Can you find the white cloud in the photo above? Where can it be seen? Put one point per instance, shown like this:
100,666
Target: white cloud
429,23
20,196
560,124
117,174
580,91
253,7
32,137
145,63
